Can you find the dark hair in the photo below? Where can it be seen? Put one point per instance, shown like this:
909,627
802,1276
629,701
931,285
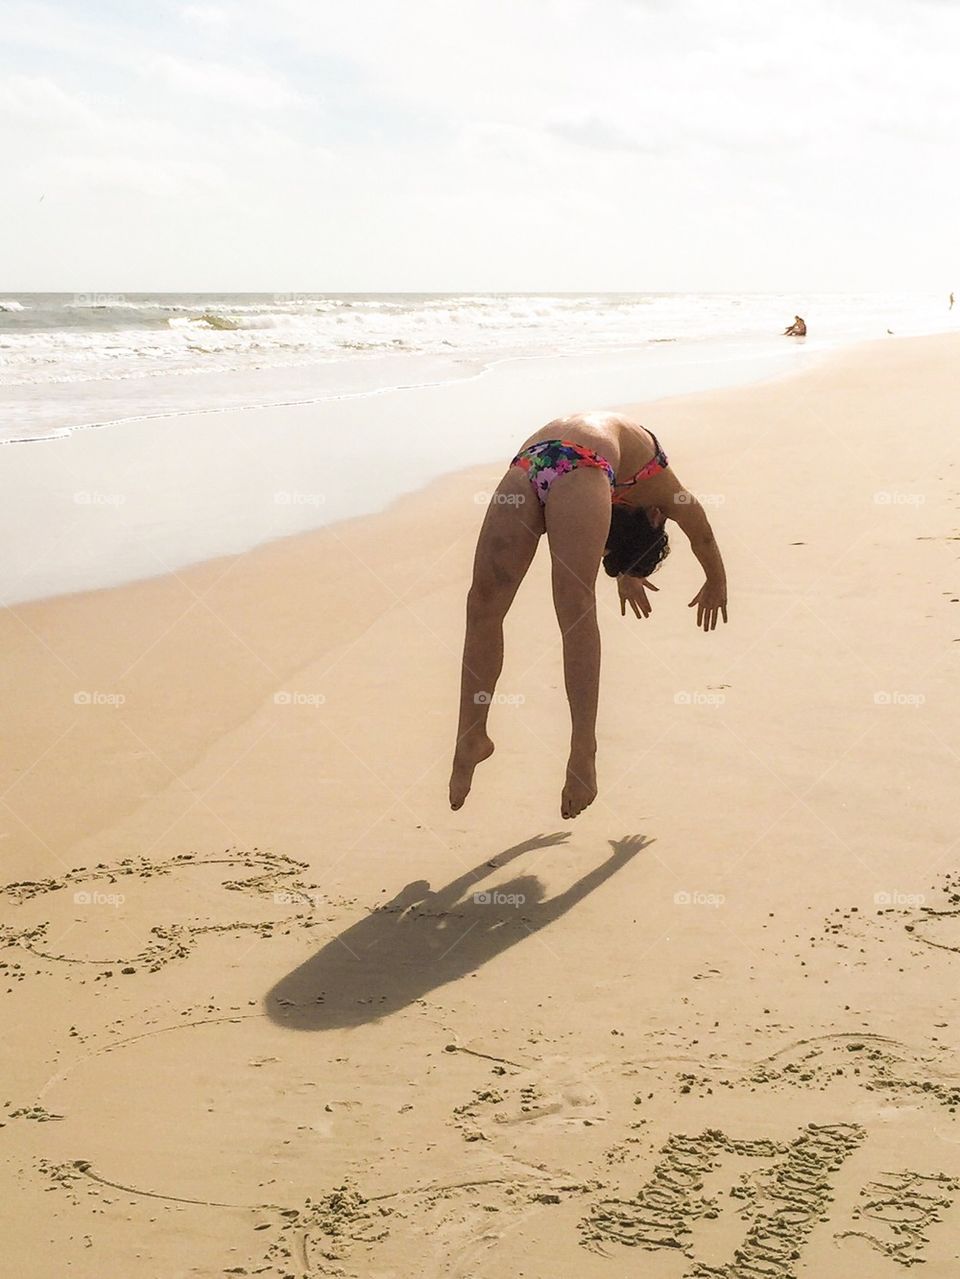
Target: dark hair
634,546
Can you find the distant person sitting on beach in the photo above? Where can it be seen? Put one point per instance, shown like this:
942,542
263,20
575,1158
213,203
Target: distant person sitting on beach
798,329
561,483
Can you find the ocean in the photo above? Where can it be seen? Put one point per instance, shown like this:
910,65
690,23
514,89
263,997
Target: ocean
82,360
238,418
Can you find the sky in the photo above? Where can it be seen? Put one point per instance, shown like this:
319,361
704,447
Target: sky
448,145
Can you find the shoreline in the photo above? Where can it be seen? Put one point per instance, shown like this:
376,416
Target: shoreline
744,351
205,498
485,368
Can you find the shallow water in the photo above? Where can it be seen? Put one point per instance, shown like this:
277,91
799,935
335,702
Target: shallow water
73,360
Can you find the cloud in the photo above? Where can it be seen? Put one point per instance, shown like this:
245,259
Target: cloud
37,101
114,175
204,15
491,141
557,143
601,135
232,85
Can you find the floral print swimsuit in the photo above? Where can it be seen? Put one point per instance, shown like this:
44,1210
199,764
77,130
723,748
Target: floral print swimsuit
545,461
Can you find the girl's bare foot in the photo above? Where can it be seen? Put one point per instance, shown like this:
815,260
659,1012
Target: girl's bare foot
580,789
472,749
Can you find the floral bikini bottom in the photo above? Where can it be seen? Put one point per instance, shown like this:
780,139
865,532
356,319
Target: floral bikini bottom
545,461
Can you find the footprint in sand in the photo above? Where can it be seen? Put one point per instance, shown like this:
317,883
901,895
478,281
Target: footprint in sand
557,1094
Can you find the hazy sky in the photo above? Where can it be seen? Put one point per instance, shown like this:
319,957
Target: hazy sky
480,144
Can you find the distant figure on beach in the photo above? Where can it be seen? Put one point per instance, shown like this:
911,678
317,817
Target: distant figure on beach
798,329
950,307
566,482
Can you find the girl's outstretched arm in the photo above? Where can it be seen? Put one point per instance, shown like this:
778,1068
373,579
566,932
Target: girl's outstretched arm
711,599
665,493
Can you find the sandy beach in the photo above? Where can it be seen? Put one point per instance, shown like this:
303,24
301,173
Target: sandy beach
273,1009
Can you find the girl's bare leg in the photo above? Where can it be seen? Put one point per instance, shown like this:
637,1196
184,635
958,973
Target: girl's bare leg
508,541
578,521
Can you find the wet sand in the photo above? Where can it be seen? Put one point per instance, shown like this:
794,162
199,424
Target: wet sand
275,1010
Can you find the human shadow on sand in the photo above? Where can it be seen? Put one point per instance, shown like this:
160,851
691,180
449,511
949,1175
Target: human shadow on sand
422,940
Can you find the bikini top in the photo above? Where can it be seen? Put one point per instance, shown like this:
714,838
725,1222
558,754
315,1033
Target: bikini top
659,462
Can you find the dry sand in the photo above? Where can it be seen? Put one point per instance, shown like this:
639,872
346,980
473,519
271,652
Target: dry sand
259,1023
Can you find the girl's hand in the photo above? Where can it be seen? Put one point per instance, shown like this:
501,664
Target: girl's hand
711,602
633,591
